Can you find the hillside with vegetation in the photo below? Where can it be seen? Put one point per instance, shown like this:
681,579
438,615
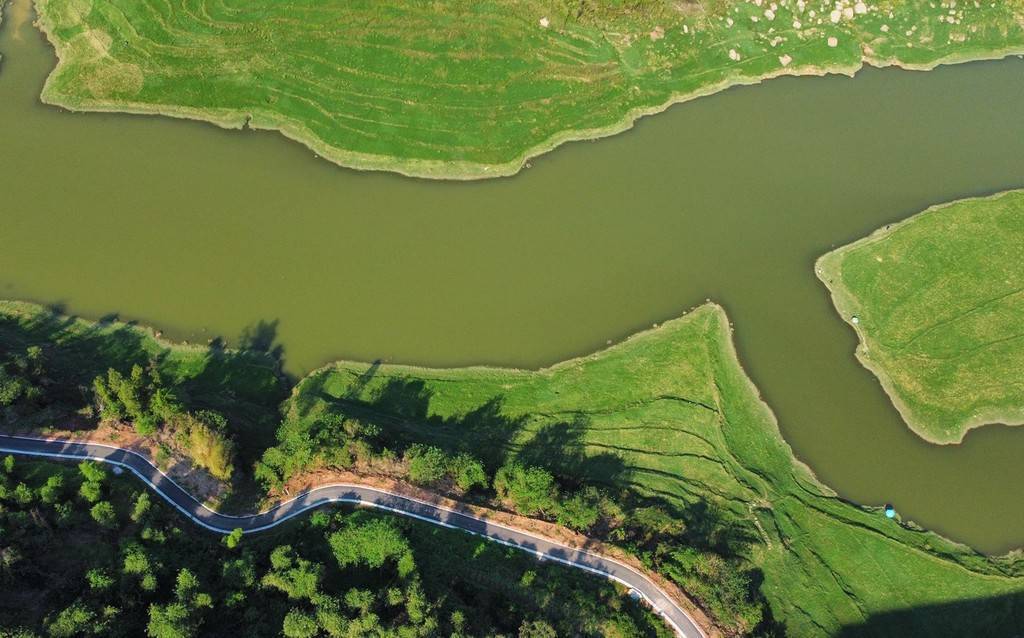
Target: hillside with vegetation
660,446
208,407
470,89
938,304
84,553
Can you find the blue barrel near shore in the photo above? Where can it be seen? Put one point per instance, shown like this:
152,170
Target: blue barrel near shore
890,511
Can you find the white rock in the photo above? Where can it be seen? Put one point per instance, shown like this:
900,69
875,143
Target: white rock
785,60
544,22
734,55
796,24
860,7
833,42
835,16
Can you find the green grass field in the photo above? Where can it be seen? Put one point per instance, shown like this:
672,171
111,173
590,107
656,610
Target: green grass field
471,89
939,301
670,416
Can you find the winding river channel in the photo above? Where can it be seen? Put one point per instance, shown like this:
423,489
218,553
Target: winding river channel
205,232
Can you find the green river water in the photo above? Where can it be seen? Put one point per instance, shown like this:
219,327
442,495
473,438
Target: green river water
203,232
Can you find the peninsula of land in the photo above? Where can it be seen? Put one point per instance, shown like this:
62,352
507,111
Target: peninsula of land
472,90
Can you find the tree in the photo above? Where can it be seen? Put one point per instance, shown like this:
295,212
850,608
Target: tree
104,514
468,472
427,464
141,507
99,579
52,490
531,490
298,624
232,540
137,562
91,491
297,577
92,471
329,616
8,464
360,600
23,494
205,434
371,543
581,510
180,619
140,397
170,621
12,388
537,629
110,408
76,620
723,586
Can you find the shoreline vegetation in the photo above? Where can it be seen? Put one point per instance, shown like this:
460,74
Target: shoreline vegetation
936,303
500,84
659,445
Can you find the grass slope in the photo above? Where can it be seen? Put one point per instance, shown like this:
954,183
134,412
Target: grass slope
939,301
471,89
670,415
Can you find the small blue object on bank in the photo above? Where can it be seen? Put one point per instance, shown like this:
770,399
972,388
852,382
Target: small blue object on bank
890,511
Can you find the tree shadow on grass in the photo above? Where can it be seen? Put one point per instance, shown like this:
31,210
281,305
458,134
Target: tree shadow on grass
401,409
243,384
560,448
1001,616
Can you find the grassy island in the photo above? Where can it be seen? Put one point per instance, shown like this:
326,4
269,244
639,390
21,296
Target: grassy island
938,305
659,446
462,89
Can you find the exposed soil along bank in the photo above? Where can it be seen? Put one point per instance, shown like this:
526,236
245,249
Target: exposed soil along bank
207,233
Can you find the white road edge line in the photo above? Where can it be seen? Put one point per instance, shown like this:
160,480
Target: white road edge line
354,501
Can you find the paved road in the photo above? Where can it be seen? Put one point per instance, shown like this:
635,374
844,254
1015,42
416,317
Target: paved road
380,499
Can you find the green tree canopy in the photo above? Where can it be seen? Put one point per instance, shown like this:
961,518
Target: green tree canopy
372,543
531,490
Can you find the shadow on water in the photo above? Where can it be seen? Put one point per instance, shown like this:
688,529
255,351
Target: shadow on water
998,617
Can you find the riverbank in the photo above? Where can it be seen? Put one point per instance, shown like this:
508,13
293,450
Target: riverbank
669,416
934,302
571,79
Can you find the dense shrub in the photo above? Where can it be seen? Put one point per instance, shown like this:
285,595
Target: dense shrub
530,490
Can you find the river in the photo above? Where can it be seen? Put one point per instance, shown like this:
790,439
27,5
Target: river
203,232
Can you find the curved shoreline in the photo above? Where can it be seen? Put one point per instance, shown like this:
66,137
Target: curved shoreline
827,270
143,468
257,119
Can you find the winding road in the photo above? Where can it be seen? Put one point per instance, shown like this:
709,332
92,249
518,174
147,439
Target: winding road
174,494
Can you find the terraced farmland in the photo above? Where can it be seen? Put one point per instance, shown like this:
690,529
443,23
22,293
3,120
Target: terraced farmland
471,89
